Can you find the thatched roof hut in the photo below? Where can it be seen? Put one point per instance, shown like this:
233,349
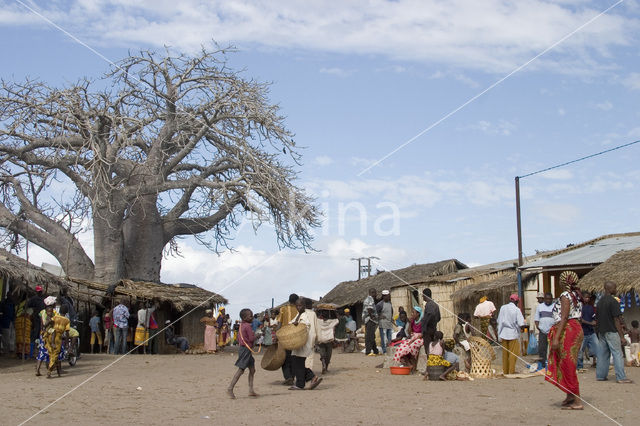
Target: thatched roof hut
23,277
180,296
498,289
623,268
351,292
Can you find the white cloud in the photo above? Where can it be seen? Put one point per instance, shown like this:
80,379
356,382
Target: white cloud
251,277
491,35
632,81
604,106
557,174
558,213
339,72
323,160
561,112
502,127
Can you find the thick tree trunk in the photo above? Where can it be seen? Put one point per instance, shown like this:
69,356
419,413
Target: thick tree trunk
143,241
108,246
74,260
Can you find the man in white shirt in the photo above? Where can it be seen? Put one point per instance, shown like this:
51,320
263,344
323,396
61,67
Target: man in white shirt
544,320
302,373
510,323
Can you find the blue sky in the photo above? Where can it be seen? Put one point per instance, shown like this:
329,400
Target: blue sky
358,79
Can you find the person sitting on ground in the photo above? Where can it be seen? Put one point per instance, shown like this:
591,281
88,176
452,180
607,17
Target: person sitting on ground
461,334
181,343
399,322
436,356
245,354
450,357
404,332
408,350
352,341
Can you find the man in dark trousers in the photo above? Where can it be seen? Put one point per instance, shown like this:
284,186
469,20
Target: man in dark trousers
287,314
430,320
370,320
610,335
36,303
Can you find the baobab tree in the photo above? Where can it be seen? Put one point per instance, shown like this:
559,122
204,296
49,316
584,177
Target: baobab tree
162,147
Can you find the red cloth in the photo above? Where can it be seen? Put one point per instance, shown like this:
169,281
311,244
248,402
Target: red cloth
246,336
153,325
561,365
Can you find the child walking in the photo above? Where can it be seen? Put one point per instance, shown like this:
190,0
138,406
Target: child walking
245,360
326,327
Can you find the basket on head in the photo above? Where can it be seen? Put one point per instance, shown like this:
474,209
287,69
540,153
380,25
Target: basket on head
273,358
292,337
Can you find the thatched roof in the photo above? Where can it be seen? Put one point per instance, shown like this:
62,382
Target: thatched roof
181,296
351,292
25,277
623,268
505,282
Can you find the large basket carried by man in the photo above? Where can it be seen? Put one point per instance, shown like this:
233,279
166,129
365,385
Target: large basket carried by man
291,337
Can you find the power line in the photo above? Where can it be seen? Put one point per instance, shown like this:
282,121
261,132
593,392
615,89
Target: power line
580,159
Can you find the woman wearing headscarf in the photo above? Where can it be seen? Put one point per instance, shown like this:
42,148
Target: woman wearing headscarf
566,338
44,317
484,312
209,331
407,351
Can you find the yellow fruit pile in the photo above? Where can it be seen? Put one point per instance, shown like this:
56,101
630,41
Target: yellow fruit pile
435,360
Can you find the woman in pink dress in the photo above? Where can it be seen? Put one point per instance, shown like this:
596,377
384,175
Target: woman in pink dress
209,331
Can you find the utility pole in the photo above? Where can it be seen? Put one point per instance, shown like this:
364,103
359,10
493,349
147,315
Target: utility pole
364,269
519,227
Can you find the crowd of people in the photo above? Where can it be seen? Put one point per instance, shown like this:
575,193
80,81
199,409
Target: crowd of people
40,327
570,328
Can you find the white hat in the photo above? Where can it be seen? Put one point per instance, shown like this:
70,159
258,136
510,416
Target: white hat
167,322
385,292
49,301
540,295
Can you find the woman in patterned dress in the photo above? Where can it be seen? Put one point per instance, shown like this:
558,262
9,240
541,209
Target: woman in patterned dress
407,351
566,339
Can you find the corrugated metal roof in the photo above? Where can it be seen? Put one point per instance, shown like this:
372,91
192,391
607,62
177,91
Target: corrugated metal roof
595,253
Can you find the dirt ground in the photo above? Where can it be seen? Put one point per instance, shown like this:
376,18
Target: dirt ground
190,389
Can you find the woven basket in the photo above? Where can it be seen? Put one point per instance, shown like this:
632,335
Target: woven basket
292,337
273,358
481,356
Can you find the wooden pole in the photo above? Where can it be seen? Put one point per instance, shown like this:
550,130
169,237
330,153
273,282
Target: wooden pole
519,230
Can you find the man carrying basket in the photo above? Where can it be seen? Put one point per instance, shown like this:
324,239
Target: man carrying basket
298,356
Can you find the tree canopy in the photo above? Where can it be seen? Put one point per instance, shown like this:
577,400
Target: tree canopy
162,147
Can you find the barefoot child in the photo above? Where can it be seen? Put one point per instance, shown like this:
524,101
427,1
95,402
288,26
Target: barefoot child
245,358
